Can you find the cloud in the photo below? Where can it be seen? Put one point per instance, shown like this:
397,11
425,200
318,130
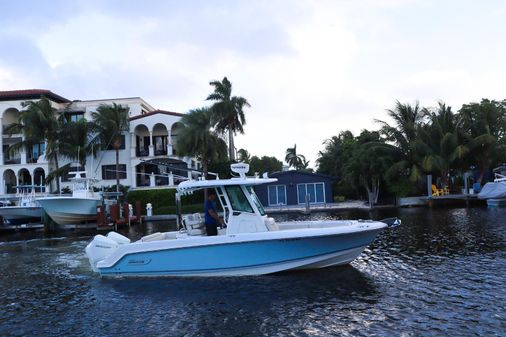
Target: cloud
309,69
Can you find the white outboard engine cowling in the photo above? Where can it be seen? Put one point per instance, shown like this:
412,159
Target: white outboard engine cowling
99,248
122,240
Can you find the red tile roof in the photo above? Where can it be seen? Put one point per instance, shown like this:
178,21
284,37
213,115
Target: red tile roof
28,94
151,113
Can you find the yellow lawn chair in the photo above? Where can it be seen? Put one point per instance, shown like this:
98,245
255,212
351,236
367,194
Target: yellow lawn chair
436,192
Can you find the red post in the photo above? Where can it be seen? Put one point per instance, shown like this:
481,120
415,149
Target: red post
100,216
126,211
114,210
138,211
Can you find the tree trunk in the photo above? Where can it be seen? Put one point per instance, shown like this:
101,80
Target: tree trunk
231,147
57,175
376,191
117,170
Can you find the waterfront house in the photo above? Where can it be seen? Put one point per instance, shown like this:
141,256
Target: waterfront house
147,148
293,186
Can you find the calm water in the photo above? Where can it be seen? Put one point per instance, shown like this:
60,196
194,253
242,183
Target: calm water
441,273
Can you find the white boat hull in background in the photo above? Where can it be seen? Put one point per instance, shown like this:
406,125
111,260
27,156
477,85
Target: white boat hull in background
70,210
20,214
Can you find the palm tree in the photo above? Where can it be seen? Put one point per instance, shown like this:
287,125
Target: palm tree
197,138
441,141
78,142
244,155
228,112
403,134
485,122
40,122
367,163
110,121
330,161
297,161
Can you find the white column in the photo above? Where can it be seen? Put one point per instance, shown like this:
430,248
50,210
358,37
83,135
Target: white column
23,157
152,180
1,143
2,185
134,176
133,146
171,179
151,146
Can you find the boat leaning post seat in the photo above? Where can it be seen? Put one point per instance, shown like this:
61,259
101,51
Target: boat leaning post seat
271,224
194,224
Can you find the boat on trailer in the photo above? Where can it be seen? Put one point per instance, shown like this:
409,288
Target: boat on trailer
78,208
251,243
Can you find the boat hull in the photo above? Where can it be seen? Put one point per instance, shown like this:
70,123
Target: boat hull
70,210
493,190
236,256
17,215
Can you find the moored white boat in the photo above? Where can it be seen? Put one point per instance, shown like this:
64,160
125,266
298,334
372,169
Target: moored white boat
26,211
497,188
251,244
78,208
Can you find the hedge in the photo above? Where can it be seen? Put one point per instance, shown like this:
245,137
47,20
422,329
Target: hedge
163,201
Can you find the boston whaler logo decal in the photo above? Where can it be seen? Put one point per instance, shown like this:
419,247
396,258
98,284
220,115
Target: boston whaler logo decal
139,261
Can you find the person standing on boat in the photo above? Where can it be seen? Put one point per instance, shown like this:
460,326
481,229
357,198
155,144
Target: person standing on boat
212,219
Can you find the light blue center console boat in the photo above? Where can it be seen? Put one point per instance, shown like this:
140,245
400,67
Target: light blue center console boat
251,244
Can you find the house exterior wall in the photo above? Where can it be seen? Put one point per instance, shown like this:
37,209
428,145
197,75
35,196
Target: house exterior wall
290,180
154,123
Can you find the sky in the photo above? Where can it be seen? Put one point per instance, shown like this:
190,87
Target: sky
309,69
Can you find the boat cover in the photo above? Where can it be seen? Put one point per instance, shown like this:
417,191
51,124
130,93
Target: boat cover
495,190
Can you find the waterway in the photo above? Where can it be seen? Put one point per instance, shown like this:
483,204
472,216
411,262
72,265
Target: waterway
442,273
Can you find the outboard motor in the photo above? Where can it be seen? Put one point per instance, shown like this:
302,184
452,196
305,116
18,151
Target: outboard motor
99,248
392,222
122,240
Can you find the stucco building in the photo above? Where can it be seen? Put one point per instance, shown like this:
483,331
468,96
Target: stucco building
146,149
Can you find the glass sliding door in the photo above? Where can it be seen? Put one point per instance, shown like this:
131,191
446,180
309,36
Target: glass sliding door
315,191
277,195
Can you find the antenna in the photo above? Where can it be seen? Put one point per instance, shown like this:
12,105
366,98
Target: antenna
240,168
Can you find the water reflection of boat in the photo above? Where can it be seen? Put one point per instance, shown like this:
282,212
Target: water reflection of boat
497,188
27,210
251,243
78,208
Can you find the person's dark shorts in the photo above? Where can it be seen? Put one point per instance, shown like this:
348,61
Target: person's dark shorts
211,230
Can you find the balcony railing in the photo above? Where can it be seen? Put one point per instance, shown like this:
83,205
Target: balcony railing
15,160
160,152
142,152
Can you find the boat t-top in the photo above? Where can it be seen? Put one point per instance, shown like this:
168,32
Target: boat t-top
252,243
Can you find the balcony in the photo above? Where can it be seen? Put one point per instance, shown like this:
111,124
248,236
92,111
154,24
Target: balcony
12,160
142,151
160,152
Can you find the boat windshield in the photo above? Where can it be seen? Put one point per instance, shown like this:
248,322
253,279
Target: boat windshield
257,202
238,200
